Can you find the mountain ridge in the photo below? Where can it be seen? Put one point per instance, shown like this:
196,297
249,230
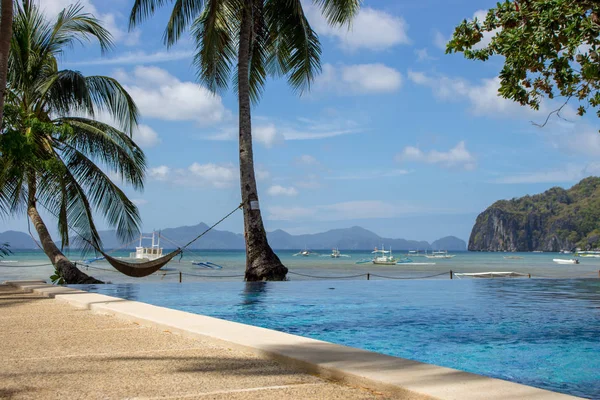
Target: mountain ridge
353,238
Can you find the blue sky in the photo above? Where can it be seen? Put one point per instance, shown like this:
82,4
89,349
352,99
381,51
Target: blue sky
394,136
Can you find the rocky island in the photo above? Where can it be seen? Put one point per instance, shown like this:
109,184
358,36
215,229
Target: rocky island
555,220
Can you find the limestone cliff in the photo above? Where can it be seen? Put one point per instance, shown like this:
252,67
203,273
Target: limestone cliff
555,220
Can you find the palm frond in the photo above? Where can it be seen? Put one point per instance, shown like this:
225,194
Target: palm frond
142,9
215,47
106,196
338,12
75,26
101,142
296,47
108,95
66,92
184,12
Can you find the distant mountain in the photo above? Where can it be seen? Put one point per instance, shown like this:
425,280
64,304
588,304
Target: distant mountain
555,220
450,243
355,238
17,240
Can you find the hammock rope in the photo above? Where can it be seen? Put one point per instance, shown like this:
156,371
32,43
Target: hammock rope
142,269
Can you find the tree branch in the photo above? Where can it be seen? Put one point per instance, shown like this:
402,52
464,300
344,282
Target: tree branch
557,112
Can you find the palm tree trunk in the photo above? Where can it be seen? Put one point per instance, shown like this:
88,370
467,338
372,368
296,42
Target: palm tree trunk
5,37
65,268
261,262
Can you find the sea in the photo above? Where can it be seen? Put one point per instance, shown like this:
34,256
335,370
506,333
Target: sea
33,264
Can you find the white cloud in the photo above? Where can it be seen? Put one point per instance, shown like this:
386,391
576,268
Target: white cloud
51,8
273,133
483,97
371,29
219,176
348,210
440,40
457,157
570,173
373,174
359,79
160,95
277,190
306,160
423,55
145,137
160,173
224,175
138,57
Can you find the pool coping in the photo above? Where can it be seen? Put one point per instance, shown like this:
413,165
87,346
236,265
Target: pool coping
353,366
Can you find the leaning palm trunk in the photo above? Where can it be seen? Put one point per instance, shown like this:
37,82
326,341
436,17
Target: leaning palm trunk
5,36
261,262
66,269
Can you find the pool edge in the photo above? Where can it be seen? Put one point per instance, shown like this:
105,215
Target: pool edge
346,364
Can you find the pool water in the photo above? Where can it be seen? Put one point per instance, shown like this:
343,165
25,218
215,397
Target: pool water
543,333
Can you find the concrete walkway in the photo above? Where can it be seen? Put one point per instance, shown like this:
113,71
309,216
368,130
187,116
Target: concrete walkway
51,350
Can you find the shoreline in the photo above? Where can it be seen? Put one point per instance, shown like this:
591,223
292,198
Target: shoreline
331,361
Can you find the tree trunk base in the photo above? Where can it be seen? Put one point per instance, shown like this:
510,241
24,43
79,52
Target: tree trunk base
73,276
266,267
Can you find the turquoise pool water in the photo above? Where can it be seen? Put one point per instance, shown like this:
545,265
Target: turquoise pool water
543,333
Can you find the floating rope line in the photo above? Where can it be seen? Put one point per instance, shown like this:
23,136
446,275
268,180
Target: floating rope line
413,277
326,277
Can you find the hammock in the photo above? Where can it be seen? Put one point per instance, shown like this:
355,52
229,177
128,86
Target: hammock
139,270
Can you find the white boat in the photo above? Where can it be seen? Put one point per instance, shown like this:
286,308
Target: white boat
565,252
153,252
591,254
415,253
335,253
304,253
566,261
384,257
440,254
508,274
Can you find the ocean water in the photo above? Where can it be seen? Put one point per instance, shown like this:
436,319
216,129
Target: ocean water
539,332
35,265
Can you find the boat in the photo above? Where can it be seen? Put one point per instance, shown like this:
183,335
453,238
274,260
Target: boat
335,253
565,252
590,254
153,252
493,274
566,260
415,253
304,253
383,257
440,254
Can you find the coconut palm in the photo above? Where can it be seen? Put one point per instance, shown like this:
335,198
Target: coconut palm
6,14
54,152
263,37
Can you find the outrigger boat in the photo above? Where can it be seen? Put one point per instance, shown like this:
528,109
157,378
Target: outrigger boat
566,261
335,253
440,254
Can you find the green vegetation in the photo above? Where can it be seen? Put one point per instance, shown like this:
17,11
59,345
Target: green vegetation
4,249
572,216
551,48
54,151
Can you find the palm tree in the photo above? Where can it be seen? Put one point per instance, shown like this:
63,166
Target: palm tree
53,150
263,37
6,15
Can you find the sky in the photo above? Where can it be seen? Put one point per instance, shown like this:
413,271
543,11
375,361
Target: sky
394,135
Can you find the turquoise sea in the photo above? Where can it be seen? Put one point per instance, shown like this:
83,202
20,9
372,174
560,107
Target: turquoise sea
35,265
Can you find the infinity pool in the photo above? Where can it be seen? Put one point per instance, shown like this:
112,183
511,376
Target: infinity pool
543,333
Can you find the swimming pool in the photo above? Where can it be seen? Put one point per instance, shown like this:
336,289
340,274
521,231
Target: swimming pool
543,333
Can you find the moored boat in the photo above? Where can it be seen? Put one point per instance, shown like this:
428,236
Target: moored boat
566,260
